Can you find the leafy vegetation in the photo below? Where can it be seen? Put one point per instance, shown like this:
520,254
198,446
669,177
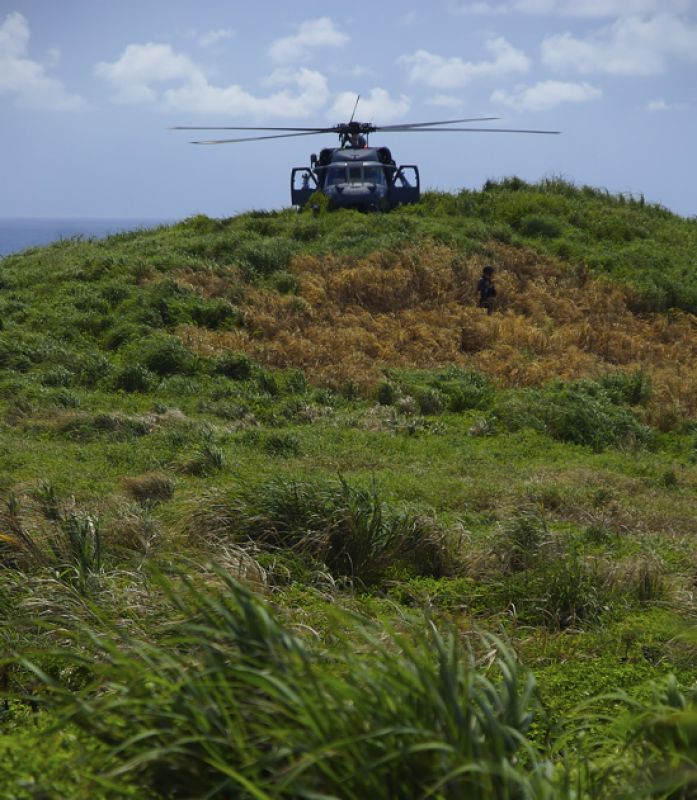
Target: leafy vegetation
283,513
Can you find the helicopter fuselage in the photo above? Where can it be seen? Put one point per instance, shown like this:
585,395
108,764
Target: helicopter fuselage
364,178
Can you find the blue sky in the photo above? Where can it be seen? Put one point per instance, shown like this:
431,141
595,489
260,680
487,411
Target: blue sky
89,88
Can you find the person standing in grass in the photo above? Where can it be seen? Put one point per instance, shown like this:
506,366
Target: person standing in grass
486,289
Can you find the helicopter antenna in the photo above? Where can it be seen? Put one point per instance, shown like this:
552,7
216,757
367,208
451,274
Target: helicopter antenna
358,97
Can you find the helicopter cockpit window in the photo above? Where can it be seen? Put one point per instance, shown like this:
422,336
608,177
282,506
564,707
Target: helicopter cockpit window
355,173
335,175
373,174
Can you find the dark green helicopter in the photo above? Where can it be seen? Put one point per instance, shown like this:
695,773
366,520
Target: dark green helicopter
355,175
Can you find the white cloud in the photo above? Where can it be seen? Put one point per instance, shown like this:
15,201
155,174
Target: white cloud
306,93
140,66
446,101
479,8
25,79
158,75
376,107
577,8
359,71
599,8
629,46
451,73
54,56
663,105
310,34
546,94
213,37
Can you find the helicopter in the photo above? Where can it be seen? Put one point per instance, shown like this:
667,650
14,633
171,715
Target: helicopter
356,175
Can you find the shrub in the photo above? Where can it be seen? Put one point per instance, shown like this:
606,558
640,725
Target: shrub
133,378
114,293
267,382
558,592
282,444
430,401
285,282
534,225
234,365
123,333
263,257
640,578
215,314
92,368
71,545
18,352
207,459
166,355
350,529
60,376
582,413
576,413
259,713
134,528
386,393
466,389
519,544
633,388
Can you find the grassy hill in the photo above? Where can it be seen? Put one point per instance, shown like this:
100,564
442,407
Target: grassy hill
285,514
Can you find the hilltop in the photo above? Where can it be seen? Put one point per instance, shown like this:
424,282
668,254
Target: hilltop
280,441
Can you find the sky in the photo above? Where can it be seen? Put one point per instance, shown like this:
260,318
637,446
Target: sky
89,90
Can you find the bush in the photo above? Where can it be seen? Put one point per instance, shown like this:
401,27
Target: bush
558,592
633,388
466,389
166,355
263,257
19,352
133,378
260,713
350,529
234,365
386,394
215,314
533,225
430,401
452,388
282,444
207,459
60,376
123,333
520,542
582,413
285,282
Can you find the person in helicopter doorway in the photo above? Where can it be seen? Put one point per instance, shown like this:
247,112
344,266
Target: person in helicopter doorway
486,289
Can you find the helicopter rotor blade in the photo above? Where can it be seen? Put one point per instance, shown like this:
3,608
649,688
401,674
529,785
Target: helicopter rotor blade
409,125
469,130
258,138
353,114
246,128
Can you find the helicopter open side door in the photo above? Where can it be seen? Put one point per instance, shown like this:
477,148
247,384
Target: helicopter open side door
303,183
406,186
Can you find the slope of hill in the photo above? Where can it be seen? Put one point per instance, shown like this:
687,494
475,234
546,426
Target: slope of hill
246,464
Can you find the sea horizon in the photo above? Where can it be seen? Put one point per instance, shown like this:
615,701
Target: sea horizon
20,233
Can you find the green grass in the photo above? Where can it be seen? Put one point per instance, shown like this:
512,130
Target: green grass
226,576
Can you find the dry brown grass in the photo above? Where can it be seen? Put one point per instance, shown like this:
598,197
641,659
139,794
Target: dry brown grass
149,488
417,308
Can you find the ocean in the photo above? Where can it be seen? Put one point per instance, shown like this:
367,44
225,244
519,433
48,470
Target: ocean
18,234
